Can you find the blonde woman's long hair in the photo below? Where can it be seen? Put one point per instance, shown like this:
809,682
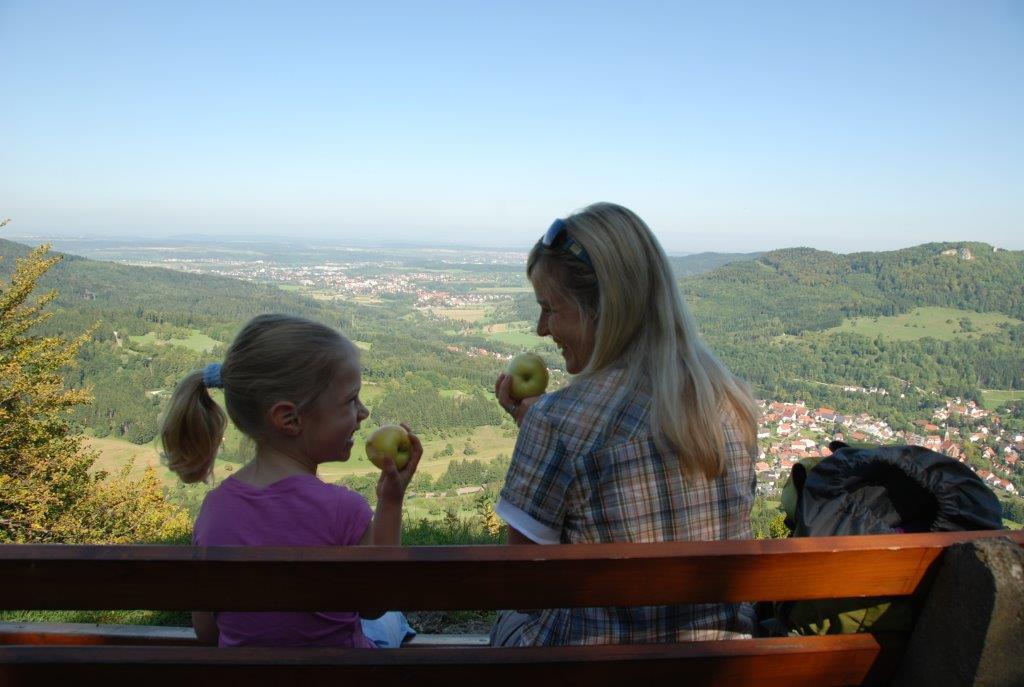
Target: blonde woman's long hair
274,358
642,324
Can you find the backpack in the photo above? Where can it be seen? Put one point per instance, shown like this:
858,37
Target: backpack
877,490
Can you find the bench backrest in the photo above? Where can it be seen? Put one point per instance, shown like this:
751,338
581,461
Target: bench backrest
41,577
184,578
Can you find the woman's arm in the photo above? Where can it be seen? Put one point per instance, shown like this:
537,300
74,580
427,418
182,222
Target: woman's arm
205,627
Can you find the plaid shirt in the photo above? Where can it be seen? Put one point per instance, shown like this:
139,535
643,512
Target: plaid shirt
586,469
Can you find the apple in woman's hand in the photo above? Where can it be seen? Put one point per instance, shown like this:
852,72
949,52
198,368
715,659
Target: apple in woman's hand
529,375
389,441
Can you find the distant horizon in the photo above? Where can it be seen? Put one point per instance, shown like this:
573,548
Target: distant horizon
315,241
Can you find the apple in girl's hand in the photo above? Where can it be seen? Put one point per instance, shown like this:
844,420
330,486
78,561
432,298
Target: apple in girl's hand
529,375
389,441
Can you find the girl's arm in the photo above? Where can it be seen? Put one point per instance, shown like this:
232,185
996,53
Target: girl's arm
387,520
386,527
205,627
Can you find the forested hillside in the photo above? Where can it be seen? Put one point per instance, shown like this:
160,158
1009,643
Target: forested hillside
699,263
774,320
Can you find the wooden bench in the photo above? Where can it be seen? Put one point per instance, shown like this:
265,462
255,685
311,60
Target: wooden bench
41,577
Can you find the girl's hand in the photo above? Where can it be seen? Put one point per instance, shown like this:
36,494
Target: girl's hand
393,482
503,392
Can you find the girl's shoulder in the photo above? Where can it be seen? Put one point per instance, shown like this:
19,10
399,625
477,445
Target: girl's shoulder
308,487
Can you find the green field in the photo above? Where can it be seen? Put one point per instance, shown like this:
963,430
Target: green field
521,339
944,324
114,454
996,398
461,314
196,341
521,334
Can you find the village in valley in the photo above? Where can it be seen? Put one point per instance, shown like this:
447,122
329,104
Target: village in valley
790,432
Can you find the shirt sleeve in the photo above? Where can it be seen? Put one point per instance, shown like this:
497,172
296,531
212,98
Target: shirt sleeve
533,500
353,516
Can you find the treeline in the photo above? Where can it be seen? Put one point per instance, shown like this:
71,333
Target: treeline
801,289
954,368
430,413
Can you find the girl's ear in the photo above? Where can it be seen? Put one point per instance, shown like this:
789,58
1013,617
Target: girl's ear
284,418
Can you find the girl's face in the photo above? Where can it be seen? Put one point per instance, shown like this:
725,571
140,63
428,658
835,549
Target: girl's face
335,415
562,320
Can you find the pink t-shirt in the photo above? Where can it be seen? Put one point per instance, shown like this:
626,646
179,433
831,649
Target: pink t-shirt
299,510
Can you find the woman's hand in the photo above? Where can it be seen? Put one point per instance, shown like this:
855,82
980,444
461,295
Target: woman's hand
393,482
503,392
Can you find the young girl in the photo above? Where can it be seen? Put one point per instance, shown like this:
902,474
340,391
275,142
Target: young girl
292,386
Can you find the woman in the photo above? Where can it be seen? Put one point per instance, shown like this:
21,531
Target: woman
653,440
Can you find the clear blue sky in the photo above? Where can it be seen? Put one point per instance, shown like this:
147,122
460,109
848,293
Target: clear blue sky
727,126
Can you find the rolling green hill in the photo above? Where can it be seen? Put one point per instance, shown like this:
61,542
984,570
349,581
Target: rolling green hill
803,323
699,263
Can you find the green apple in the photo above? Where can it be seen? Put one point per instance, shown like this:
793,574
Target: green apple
529,375
389,441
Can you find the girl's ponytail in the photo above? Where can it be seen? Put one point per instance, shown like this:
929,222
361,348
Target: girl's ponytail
192,430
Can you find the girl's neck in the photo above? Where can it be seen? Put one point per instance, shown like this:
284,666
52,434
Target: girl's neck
273,465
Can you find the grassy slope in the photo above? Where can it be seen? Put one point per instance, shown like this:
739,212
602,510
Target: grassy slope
995,398
934,322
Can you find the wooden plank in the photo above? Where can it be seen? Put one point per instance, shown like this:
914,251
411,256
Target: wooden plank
438,640
463,578
831,660
89,634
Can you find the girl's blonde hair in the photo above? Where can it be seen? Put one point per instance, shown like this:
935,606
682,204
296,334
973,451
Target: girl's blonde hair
642,324
274,358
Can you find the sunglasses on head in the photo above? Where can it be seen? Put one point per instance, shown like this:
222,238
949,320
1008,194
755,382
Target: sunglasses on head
558,233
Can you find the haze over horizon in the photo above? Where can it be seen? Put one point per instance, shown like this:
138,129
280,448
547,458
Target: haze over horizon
739,128
57,239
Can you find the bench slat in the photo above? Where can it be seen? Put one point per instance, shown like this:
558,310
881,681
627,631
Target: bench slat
90,634
834,660
467,578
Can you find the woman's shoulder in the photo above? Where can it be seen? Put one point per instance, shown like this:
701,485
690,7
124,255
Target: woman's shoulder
591,388
594,405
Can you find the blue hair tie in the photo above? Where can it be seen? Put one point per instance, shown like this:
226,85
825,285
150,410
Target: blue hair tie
211,376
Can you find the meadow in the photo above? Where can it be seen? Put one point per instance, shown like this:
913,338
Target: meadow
196,341
521,333
996,398
944,324
461,314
